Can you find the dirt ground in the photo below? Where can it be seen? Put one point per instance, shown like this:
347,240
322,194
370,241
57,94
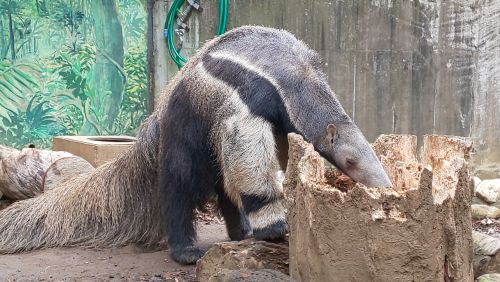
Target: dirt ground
123,264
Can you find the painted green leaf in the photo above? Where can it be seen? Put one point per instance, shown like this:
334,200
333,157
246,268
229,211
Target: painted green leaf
16,80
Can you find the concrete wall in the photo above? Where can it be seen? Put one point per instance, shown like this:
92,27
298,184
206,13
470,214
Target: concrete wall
418,67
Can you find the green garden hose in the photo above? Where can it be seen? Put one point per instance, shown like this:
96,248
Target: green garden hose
222,17
169,28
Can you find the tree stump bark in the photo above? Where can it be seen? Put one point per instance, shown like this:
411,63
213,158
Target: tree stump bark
418,231
28,173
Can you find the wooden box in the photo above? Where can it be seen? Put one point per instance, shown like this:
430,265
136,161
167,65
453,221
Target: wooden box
97,150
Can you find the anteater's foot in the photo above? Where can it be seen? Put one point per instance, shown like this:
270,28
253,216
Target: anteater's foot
273,232
240,231
186,255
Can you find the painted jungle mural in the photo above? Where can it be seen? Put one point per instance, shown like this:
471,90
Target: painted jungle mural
71,67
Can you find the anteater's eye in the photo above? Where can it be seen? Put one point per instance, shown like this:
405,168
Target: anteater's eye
350,162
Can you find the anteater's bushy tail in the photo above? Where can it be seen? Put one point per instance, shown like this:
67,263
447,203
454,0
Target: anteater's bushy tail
115,205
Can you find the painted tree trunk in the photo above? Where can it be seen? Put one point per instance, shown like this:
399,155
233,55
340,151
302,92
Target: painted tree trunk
107,79
419,231
11,37
3,45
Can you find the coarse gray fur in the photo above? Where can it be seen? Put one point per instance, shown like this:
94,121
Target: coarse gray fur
114,205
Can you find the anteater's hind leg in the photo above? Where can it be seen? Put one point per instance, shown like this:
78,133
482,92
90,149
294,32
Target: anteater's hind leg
186,180
252,174
237,225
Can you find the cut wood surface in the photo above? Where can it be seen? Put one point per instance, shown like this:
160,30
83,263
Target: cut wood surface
24,173
418,231
63,169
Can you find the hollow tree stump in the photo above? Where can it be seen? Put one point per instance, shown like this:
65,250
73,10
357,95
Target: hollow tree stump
418,231
27,173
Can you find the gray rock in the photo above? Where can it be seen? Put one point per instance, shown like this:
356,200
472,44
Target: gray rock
489,190
486,254
489,171
478,201
249,275
247,254
482,211
476,181
481,264
490,277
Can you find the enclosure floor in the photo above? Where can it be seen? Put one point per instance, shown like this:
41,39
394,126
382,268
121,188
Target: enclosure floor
123,264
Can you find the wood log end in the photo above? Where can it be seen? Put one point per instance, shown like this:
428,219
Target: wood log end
64,169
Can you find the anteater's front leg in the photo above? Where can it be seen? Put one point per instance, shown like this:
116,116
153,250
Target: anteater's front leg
238,227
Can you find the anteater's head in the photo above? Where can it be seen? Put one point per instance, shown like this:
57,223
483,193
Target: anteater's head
345,147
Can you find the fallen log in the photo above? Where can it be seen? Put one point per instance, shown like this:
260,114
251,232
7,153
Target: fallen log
29,172
6,151
63,169
418,231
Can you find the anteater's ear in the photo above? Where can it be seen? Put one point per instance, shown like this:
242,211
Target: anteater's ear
331,132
